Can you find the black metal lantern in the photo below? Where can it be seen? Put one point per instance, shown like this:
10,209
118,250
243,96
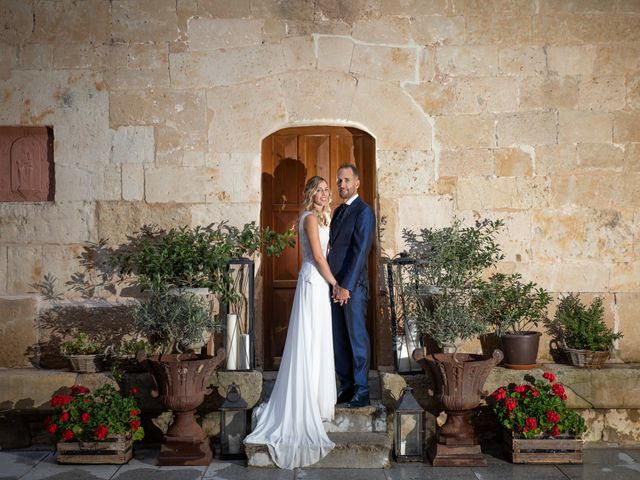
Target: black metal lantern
239,317
233,425
409,435
405,337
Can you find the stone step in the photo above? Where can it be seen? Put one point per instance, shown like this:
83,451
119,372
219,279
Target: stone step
366,419
352,450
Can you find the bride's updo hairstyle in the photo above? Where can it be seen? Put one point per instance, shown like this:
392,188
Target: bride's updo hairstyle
324,216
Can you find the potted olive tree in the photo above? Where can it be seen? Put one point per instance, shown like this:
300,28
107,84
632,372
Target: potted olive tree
195,257
513,309
583,333
449,263
172,322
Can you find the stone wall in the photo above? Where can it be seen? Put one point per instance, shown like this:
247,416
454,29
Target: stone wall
528,110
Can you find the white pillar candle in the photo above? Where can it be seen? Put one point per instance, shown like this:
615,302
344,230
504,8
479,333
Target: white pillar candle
232,341
244,358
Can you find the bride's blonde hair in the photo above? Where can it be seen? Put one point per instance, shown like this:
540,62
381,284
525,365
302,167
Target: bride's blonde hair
324,216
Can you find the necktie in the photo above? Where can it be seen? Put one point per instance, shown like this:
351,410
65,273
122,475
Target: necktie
340,213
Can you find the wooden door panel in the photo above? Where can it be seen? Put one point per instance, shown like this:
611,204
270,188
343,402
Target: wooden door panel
287,171
285,269
317,154
282,302
289,158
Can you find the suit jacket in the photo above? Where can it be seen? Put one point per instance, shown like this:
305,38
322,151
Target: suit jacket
349,244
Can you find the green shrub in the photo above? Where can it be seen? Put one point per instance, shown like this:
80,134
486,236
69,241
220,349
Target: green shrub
510,305
81,345
583,327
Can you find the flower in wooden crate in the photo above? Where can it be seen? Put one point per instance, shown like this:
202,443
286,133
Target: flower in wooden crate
96,416
536,409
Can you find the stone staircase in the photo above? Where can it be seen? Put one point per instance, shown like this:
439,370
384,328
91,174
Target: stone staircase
362,435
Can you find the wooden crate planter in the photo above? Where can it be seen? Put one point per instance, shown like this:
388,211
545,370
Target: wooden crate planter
543,450
112,450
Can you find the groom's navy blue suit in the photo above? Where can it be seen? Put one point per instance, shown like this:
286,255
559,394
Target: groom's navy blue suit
352,231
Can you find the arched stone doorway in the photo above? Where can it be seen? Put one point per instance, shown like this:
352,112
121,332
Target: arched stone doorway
289,157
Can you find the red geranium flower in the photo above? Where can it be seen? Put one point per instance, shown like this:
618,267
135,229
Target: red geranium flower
79,389
499,394
520,388
557,389
67,435
101,432
531,423
555,431
549,376
134,424
510,403
60,400
553,417
85,417
64,417
52,428
134,413
534,392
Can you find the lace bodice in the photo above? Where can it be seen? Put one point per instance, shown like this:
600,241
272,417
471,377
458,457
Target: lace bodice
307,254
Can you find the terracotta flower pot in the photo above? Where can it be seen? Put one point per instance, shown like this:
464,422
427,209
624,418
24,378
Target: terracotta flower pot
458,382
181,383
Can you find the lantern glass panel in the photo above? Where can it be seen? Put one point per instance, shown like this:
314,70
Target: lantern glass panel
239,317
409,434
405,335
234,429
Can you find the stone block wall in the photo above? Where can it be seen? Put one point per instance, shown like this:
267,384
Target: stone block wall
528,110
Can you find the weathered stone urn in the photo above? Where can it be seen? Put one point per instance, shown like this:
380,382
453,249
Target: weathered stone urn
458,380
181,383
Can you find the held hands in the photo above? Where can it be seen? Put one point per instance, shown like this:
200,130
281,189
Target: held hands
340,295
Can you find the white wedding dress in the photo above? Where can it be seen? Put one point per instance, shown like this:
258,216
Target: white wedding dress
304,395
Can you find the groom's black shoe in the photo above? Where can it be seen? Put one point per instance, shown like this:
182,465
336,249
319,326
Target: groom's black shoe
345,395
359,401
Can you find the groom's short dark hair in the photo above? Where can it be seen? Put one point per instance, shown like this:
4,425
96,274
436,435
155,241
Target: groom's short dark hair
354,169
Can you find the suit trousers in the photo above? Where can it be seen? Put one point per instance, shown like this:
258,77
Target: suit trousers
351,342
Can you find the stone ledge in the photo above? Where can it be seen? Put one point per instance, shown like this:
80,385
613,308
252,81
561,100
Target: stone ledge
352,450
608,398
615,386
27,389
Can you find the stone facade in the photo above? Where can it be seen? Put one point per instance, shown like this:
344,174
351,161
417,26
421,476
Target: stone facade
523,109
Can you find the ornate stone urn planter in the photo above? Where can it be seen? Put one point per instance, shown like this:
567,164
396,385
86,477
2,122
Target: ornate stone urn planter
181,384
458,381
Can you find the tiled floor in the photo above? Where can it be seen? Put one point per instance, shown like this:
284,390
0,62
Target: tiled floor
599,463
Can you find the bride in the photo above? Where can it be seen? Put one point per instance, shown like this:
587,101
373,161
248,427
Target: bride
304,395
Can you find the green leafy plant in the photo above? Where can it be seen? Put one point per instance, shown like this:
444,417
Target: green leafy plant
510,305
96,416
195,257
171,321
583,327
536,409
81,345
449,262
123,357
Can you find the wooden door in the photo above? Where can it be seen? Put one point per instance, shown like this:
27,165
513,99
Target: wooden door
289,158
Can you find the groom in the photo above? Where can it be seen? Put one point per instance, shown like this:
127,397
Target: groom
352,230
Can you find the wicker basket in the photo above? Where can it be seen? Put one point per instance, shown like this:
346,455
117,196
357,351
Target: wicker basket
86,363
586,358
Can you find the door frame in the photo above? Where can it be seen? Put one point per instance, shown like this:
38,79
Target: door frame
374,257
